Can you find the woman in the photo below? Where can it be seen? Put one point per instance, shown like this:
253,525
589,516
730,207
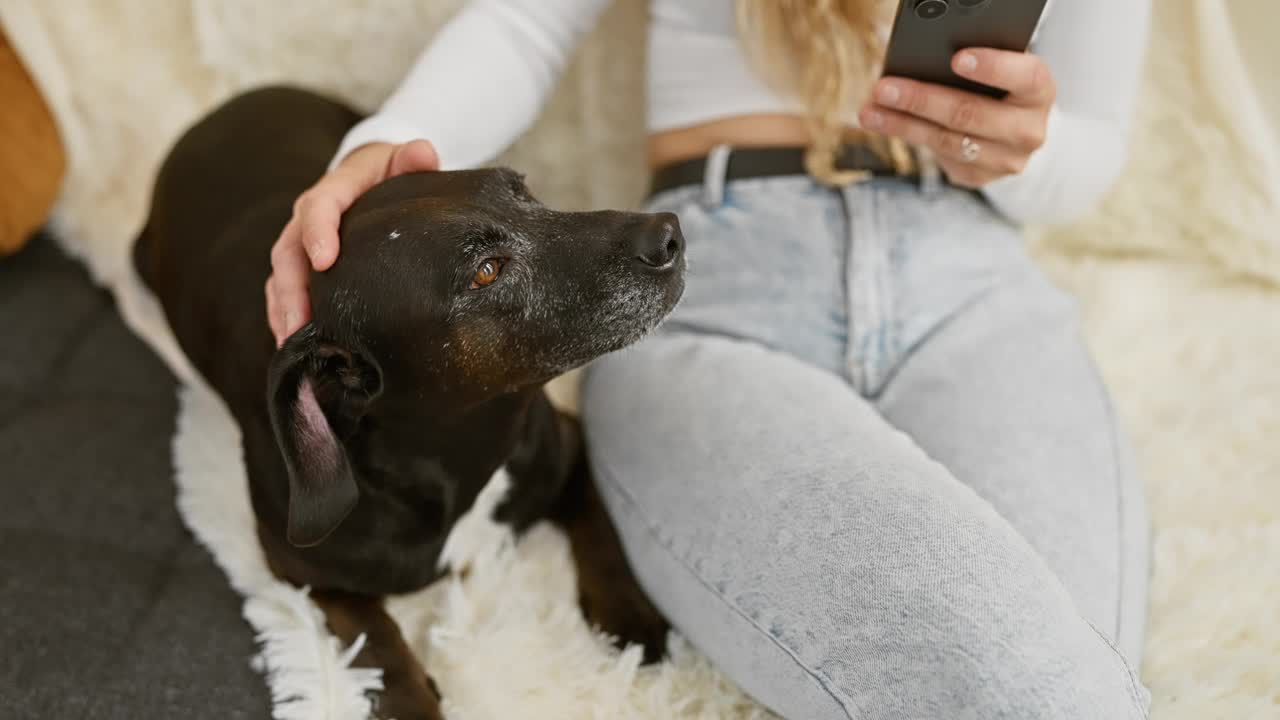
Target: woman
867,467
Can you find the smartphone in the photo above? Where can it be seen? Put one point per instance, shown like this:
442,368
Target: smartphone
928,33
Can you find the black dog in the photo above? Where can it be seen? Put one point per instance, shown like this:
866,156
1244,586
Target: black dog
372,430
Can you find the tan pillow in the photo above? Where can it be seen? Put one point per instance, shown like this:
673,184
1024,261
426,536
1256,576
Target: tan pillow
32,159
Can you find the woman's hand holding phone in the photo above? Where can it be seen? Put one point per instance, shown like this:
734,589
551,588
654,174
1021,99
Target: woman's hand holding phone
977,139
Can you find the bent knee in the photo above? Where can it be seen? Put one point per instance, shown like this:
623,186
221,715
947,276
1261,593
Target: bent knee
992,651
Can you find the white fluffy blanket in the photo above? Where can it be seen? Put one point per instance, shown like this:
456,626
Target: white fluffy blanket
1177,275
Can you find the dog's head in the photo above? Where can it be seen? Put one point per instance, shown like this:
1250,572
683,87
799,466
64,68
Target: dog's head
453,291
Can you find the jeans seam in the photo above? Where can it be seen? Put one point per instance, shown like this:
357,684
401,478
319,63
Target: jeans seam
1112,435
1116,476
651,529
942,324
1134,694
1114,429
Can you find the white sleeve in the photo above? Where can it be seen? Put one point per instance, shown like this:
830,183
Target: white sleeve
482,81
1095,50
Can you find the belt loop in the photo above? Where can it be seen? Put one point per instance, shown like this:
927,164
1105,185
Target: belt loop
930,173
713,176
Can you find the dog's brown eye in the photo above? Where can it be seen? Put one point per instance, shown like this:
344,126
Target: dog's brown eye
487,273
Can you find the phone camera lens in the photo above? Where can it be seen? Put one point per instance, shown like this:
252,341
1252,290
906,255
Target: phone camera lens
931,9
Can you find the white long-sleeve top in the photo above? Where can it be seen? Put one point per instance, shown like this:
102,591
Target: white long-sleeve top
490,69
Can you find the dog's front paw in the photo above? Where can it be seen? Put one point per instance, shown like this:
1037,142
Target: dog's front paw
629,618
408,699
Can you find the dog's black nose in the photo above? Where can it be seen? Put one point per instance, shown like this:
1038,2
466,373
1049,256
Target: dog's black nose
658,243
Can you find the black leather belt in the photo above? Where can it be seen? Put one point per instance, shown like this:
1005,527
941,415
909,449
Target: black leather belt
763,162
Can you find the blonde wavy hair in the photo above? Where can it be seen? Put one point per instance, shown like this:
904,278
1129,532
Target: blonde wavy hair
824,52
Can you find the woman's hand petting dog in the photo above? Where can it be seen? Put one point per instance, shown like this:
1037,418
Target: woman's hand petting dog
977,139
311,236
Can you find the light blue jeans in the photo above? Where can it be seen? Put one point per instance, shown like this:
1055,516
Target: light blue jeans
868,468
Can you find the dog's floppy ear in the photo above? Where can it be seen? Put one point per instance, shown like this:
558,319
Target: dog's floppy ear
317,393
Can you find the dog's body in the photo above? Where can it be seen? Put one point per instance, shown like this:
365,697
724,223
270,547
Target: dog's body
374,428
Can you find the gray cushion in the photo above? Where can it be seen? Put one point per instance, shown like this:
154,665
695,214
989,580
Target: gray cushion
108,607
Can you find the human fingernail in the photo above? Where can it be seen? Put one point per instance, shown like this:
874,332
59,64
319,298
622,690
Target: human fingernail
966,63
889,94
290,319
873,119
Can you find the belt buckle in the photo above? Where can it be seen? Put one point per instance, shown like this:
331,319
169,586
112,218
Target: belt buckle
886,151
908,160
848,167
